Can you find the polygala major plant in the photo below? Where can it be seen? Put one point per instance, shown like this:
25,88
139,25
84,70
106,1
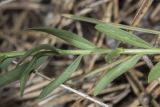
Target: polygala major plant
84,47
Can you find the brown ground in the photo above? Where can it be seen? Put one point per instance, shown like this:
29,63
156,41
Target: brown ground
129,90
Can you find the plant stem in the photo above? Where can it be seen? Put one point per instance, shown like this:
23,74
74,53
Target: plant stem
87,52
12,53
141,51
105,51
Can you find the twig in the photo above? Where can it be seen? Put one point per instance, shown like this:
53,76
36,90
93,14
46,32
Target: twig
71,89
75,91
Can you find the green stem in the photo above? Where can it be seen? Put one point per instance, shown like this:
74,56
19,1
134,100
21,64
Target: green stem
141,51
12,53
87,52
105,51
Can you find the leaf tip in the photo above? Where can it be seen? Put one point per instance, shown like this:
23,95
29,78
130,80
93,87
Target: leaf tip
66,15
21,89
96,91
95,94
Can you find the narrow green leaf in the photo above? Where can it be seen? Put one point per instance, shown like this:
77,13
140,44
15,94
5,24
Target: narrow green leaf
25,75
37,60
5,63
37,49
121,35
69,37
115,72
62,78
113,53
40,61
154,73
16,73
2,58
12,75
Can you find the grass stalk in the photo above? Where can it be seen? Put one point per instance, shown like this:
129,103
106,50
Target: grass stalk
87,52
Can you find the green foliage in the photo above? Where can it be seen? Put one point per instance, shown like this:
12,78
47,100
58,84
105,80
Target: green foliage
115,72
122,35
69,37
96,21
62,78
16,73
13,75
37,60
40,53
5,63
113,53
154,73
38,49
2,58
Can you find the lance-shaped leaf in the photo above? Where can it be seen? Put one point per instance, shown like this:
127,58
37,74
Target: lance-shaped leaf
12,75
37,49
5,63
25,75
154,73
2,58
69,37
115,72
38,59
121,35
16,73
62,78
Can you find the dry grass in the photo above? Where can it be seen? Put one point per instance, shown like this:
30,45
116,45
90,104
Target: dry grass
129,90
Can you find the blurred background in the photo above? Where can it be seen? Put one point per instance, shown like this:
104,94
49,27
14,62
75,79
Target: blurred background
129,90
